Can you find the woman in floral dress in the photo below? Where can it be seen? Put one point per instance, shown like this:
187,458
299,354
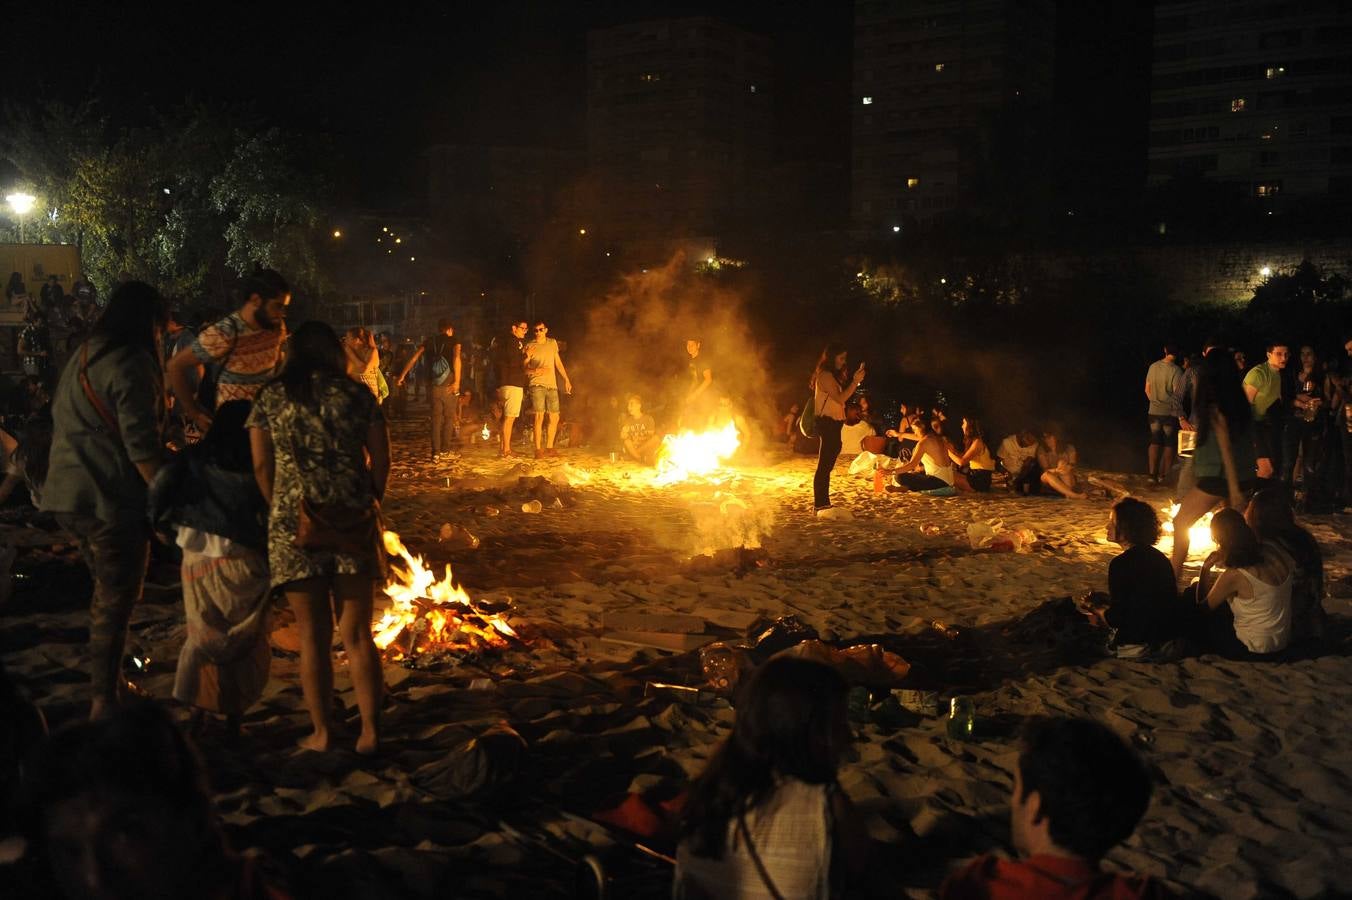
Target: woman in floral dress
311,430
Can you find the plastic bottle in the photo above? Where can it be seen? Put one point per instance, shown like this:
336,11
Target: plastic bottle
961,718
532,506
879,480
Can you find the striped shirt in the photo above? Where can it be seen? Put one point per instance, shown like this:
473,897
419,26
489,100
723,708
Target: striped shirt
246,357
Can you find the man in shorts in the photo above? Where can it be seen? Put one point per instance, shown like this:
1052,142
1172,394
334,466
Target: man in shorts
1163,381
542,361
509,362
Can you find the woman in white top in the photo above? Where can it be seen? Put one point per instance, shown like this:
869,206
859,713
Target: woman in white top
1248,609
932,454
830,393
766,819
363,359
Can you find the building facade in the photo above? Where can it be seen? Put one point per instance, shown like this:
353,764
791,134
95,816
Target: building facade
1255,95
942,90
679,127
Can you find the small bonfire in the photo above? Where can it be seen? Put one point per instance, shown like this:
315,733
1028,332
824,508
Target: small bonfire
427,614
690,453
1199,535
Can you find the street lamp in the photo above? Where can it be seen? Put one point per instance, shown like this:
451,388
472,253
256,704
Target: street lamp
22,204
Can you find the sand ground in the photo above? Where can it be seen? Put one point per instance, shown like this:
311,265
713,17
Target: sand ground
1253,799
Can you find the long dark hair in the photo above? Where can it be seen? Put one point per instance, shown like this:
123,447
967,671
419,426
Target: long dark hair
1271,518
1220,386
134,311
787,726
1239,546
827,360
315,350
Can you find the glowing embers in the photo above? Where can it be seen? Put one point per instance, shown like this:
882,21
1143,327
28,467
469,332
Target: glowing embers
431,615
1199,535
695,454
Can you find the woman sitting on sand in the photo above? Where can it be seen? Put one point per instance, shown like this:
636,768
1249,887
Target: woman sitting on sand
1247,612
1058,459
932,453
1269,515
975,464
1142,603
766,818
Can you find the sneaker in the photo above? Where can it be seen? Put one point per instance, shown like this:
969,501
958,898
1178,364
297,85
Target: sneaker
834,512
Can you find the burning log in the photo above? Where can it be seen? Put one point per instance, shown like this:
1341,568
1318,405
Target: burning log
427,614
694,453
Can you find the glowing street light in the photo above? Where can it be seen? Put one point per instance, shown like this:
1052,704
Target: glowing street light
896,229
337,233
582,231
1265,271
22,204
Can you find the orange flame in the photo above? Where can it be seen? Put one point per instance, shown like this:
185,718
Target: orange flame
1199,535
690,453
436,612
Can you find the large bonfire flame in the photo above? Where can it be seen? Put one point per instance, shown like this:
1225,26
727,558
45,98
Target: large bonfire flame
695,453
428,614
1199,535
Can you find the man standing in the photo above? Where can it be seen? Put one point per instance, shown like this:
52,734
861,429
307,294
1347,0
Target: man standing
1187,418
542,359
1163,381
509,365
234,358
699,395
1263,387
442,354
53,298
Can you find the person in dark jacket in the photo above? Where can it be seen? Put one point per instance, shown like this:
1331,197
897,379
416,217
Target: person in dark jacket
1142,605
209,500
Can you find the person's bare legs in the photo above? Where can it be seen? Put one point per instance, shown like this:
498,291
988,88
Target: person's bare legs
507,423
309,600
352,593
539,430
1167,462
553,429
1154,456
1058,484
1195,504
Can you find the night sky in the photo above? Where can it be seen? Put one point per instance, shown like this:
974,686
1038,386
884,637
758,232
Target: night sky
386,81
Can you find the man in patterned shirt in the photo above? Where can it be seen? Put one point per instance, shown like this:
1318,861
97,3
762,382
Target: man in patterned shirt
242,350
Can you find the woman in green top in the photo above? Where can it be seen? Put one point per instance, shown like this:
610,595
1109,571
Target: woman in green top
1224,422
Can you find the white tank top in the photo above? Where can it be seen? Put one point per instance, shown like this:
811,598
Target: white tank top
1263,621
943,473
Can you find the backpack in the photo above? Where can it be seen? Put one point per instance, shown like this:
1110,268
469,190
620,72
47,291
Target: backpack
807,420
440,370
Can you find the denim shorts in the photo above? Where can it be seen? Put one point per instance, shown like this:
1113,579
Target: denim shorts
1163,429
544,399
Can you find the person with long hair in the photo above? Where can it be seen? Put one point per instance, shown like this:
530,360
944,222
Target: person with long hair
975,463
931,453
1247,612
207,502
830,393
312,430
1270,516
766,818
1058,459
107,445
1223,461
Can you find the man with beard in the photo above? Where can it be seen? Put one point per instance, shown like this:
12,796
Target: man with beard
509,359
236,356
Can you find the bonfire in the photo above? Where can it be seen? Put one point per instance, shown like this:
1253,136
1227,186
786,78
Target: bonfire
1199,535
691,453
427,614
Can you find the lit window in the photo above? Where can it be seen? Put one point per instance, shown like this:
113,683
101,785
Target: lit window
753,89
1237,104
938,67
1274,72
868,101
912,182
1268,189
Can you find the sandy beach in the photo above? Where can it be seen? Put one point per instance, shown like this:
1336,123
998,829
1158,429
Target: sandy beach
492,765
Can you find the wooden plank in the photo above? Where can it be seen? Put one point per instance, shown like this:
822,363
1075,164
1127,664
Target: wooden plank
657,640
671,623
736,619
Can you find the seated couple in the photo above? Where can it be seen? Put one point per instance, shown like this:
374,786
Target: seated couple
767,817
1270,591
1051,463
946,471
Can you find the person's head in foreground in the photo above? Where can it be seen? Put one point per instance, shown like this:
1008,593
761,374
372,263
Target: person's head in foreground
1133,523
119,808
1236,543
791,724
1079,791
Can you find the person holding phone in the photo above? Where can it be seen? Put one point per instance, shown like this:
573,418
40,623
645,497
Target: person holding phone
830,393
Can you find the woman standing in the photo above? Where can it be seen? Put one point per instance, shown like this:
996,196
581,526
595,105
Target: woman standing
830,392
311,430
363,359
107,445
